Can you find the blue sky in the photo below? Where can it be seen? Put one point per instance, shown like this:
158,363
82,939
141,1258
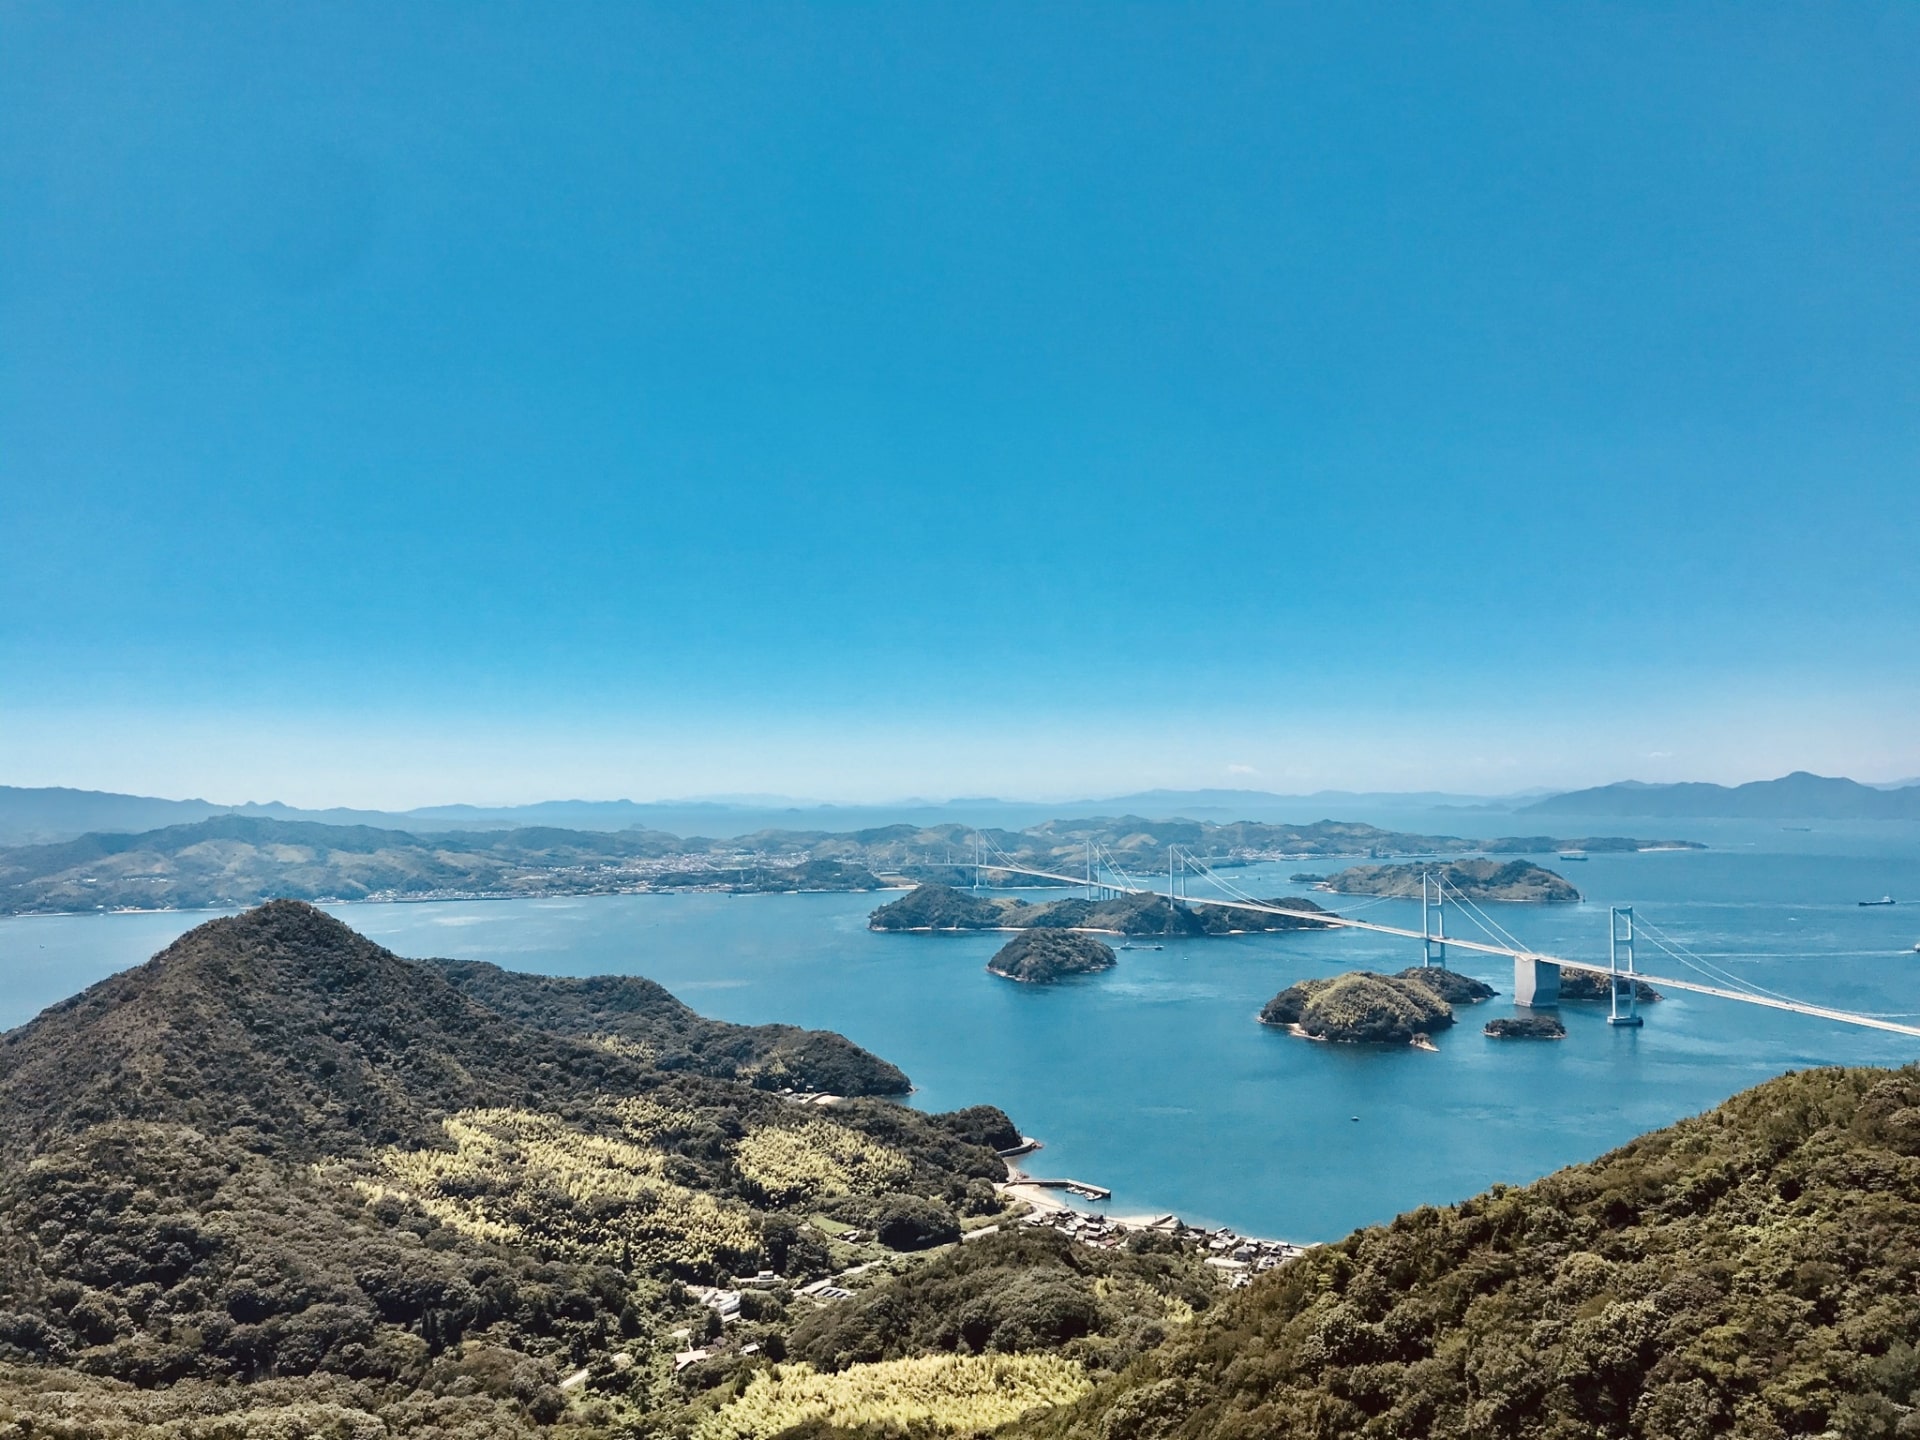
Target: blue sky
467,401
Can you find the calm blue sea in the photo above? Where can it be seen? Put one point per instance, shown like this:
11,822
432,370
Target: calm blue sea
1155,1079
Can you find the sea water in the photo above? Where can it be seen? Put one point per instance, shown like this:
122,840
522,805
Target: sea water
1155,1079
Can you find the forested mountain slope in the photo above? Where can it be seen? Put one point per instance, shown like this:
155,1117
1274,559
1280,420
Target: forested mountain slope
281,1176
671,1036
1754,1272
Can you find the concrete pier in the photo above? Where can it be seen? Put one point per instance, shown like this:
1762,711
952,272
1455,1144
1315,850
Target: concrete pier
1536,982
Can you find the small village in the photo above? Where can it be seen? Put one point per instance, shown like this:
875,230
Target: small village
1238,1258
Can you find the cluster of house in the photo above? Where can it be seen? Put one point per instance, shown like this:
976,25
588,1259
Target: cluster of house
726,1304
1237,1258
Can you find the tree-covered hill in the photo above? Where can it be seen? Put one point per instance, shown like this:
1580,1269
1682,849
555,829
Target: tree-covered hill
282,1176
1360,1007
1752,1272
1040,957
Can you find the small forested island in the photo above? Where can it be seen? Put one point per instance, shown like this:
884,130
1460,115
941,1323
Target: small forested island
1526,1027
1596,985
1039,957
1514,881
934,906
1361,1007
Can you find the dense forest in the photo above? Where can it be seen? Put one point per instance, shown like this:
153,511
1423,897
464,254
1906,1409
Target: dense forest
282,1173
1040,957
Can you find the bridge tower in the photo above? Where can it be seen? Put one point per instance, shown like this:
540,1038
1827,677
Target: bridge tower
1621,981
1433,921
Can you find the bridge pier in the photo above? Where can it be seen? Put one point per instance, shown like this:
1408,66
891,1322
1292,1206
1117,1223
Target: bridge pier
1536,982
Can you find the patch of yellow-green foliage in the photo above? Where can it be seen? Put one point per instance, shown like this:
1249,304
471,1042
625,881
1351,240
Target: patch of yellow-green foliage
1132,1297
784,1164
522,1178
960,1394
627,1049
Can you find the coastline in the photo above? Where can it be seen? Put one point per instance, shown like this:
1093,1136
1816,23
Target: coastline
1239,1257
1421,1041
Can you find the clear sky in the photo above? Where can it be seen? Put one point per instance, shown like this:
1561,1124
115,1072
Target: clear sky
414,403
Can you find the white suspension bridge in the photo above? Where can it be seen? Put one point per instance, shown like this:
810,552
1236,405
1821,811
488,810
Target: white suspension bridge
1536,976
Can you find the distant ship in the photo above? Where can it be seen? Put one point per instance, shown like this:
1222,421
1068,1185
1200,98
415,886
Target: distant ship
1883,900
1573,854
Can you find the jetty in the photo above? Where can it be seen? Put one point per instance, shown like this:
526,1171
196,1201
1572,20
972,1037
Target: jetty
1073,1187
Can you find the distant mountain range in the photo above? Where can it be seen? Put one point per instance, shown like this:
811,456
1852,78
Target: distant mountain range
50,814
30,816
1799,796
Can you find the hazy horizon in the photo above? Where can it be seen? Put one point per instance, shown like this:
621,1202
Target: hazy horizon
1214,796
470,404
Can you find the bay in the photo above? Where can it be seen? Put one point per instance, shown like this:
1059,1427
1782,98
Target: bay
1155,1079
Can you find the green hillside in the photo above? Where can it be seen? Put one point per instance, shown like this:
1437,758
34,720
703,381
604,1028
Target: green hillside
1752,1272
281,1175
